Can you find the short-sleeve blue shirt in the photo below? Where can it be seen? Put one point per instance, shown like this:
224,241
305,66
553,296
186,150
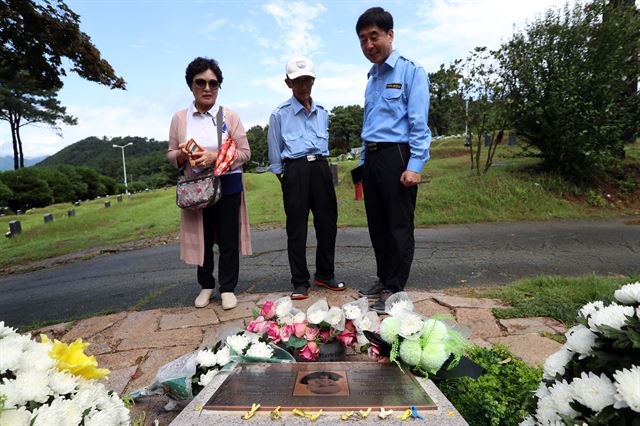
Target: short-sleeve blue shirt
396,108
295,132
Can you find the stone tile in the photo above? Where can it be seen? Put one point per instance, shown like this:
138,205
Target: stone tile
120,360
420,295
468,302
162,339
190,317
118,379
340,298
210,337
271,296
54,331
249,297
532,325
138,324
92,326
101,343
481,342
430,308
155,359
531,348
480,321
243,310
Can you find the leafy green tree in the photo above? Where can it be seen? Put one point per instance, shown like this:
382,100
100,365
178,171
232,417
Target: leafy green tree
482,85
35,37
28,189
446,107
257,136
566,78
5,194
77,185
345,127
61,187
91,178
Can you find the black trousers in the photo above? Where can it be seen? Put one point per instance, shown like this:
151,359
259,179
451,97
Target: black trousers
308,186
390,207
220,224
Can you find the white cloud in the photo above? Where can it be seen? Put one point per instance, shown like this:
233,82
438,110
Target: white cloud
296,20
449,29
214,26
141,43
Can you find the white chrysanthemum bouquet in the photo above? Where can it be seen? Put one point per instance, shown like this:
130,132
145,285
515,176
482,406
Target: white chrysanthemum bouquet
43,383
595,378
424,344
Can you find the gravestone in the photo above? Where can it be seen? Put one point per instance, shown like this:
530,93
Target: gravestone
14,227
107,204
334,173
231,394
512,138
48,217
19,212
119,198
331,386
487,139
77,203
71,213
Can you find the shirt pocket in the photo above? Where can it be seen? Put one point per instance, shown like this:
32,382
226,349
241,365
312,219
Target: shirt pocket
322,134
292,134
392,101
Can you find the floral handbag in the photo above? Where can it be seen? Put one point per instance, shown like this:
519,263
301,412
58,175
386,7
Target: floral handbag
201,190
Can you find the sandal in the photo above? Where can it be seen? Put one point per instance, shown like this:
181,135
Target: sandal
331,284
299,293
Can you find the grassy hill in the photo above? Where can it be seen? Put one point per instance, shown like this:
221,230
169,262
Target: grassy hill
145,159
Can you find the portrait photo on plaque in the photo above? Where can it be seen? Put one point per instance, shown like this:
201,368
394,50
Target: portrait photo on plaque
319,383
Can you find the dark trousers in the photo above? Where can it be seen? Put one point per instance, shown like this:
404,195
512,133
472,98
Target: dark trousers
220,224
390,207
308,186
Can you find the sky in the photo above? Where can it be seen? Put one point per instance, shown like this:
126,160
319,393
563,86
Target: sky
150,42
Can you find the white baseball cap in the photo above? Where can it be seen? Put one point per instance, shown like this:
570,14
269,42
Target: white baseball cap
299,66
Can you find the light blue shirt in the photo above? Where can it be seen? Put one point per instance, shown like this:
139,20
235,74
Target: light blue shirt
294,132
396,108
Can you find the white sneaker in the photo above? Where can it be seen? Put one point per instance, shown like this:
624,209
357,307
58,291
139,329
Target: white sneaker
203,298
229,300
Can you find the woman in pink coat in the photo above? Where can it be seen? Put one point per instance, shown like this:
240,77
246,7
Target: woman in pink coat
226,222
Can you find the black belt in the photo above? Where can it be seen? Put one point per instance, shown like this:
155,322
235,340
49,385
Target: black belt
379,146
306,158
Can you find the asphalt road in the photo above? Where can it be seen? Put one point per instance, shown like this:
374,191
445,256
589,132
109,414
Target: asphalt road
445,257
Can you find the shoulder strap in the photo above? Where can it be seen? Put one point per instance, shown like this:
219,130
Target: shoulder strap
219,126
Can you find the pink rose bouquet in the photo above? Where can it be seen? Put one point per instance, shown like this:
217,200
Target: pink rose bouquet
303,333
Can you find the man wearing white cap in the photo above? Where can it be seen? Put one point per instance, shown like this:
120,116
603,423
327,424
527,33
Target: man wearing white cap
298,142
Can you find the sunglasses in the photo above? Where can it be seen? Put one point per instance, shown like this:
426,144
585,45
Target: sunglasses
201,83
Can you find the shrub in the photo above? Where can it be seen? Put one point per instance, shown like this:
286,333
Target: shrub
498,396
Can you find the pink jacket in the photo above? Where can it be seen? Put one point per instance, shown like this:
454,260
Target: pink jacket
191,235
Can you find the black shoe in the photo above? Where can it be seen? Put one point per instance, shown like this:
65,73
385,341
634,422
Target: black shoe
373,292
300,293
378,307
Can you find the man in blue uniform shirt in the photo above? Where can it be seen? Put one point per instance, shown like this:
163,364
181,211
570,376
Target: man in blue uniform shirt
395,148
298,142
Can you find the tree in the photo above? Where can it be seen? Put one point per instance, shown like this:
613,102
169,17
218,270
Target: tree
35,36
446,107
345,127
5,194
61,187
566,79
28,189
257,137
483,87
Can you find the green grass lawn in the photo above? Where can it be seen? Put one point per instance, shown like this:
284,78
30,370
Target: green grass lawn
451,194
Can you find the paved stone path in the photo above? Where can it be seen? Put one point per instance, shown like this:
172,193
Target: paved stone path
133,345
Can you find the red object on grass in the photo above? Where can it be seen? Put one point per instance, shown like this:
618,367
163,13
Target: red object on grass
358,187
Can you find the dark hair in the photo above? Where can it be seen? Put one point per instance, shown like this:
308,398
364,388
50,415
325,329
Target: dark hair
375,16
199,65
319,375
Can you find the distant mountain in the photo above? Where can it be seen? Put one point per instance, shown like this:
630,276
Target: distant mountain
6,163
144,159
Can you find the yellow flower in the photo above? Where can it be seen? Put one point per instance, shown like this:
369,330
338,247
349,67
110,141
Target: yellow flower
73,359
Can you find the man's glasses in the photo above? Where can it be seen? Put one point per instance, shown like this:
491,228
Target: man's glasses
201,83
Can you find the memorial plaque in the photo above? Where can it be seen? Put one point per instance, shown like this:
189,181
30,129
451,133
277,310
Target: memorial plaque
332,386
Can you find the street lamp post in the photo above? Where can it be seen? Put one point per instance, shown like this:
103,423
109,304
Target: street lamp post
124,165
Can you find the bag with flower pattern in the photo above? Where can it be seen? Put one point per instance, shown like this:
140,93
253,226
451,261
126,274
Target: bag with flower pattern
201,190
